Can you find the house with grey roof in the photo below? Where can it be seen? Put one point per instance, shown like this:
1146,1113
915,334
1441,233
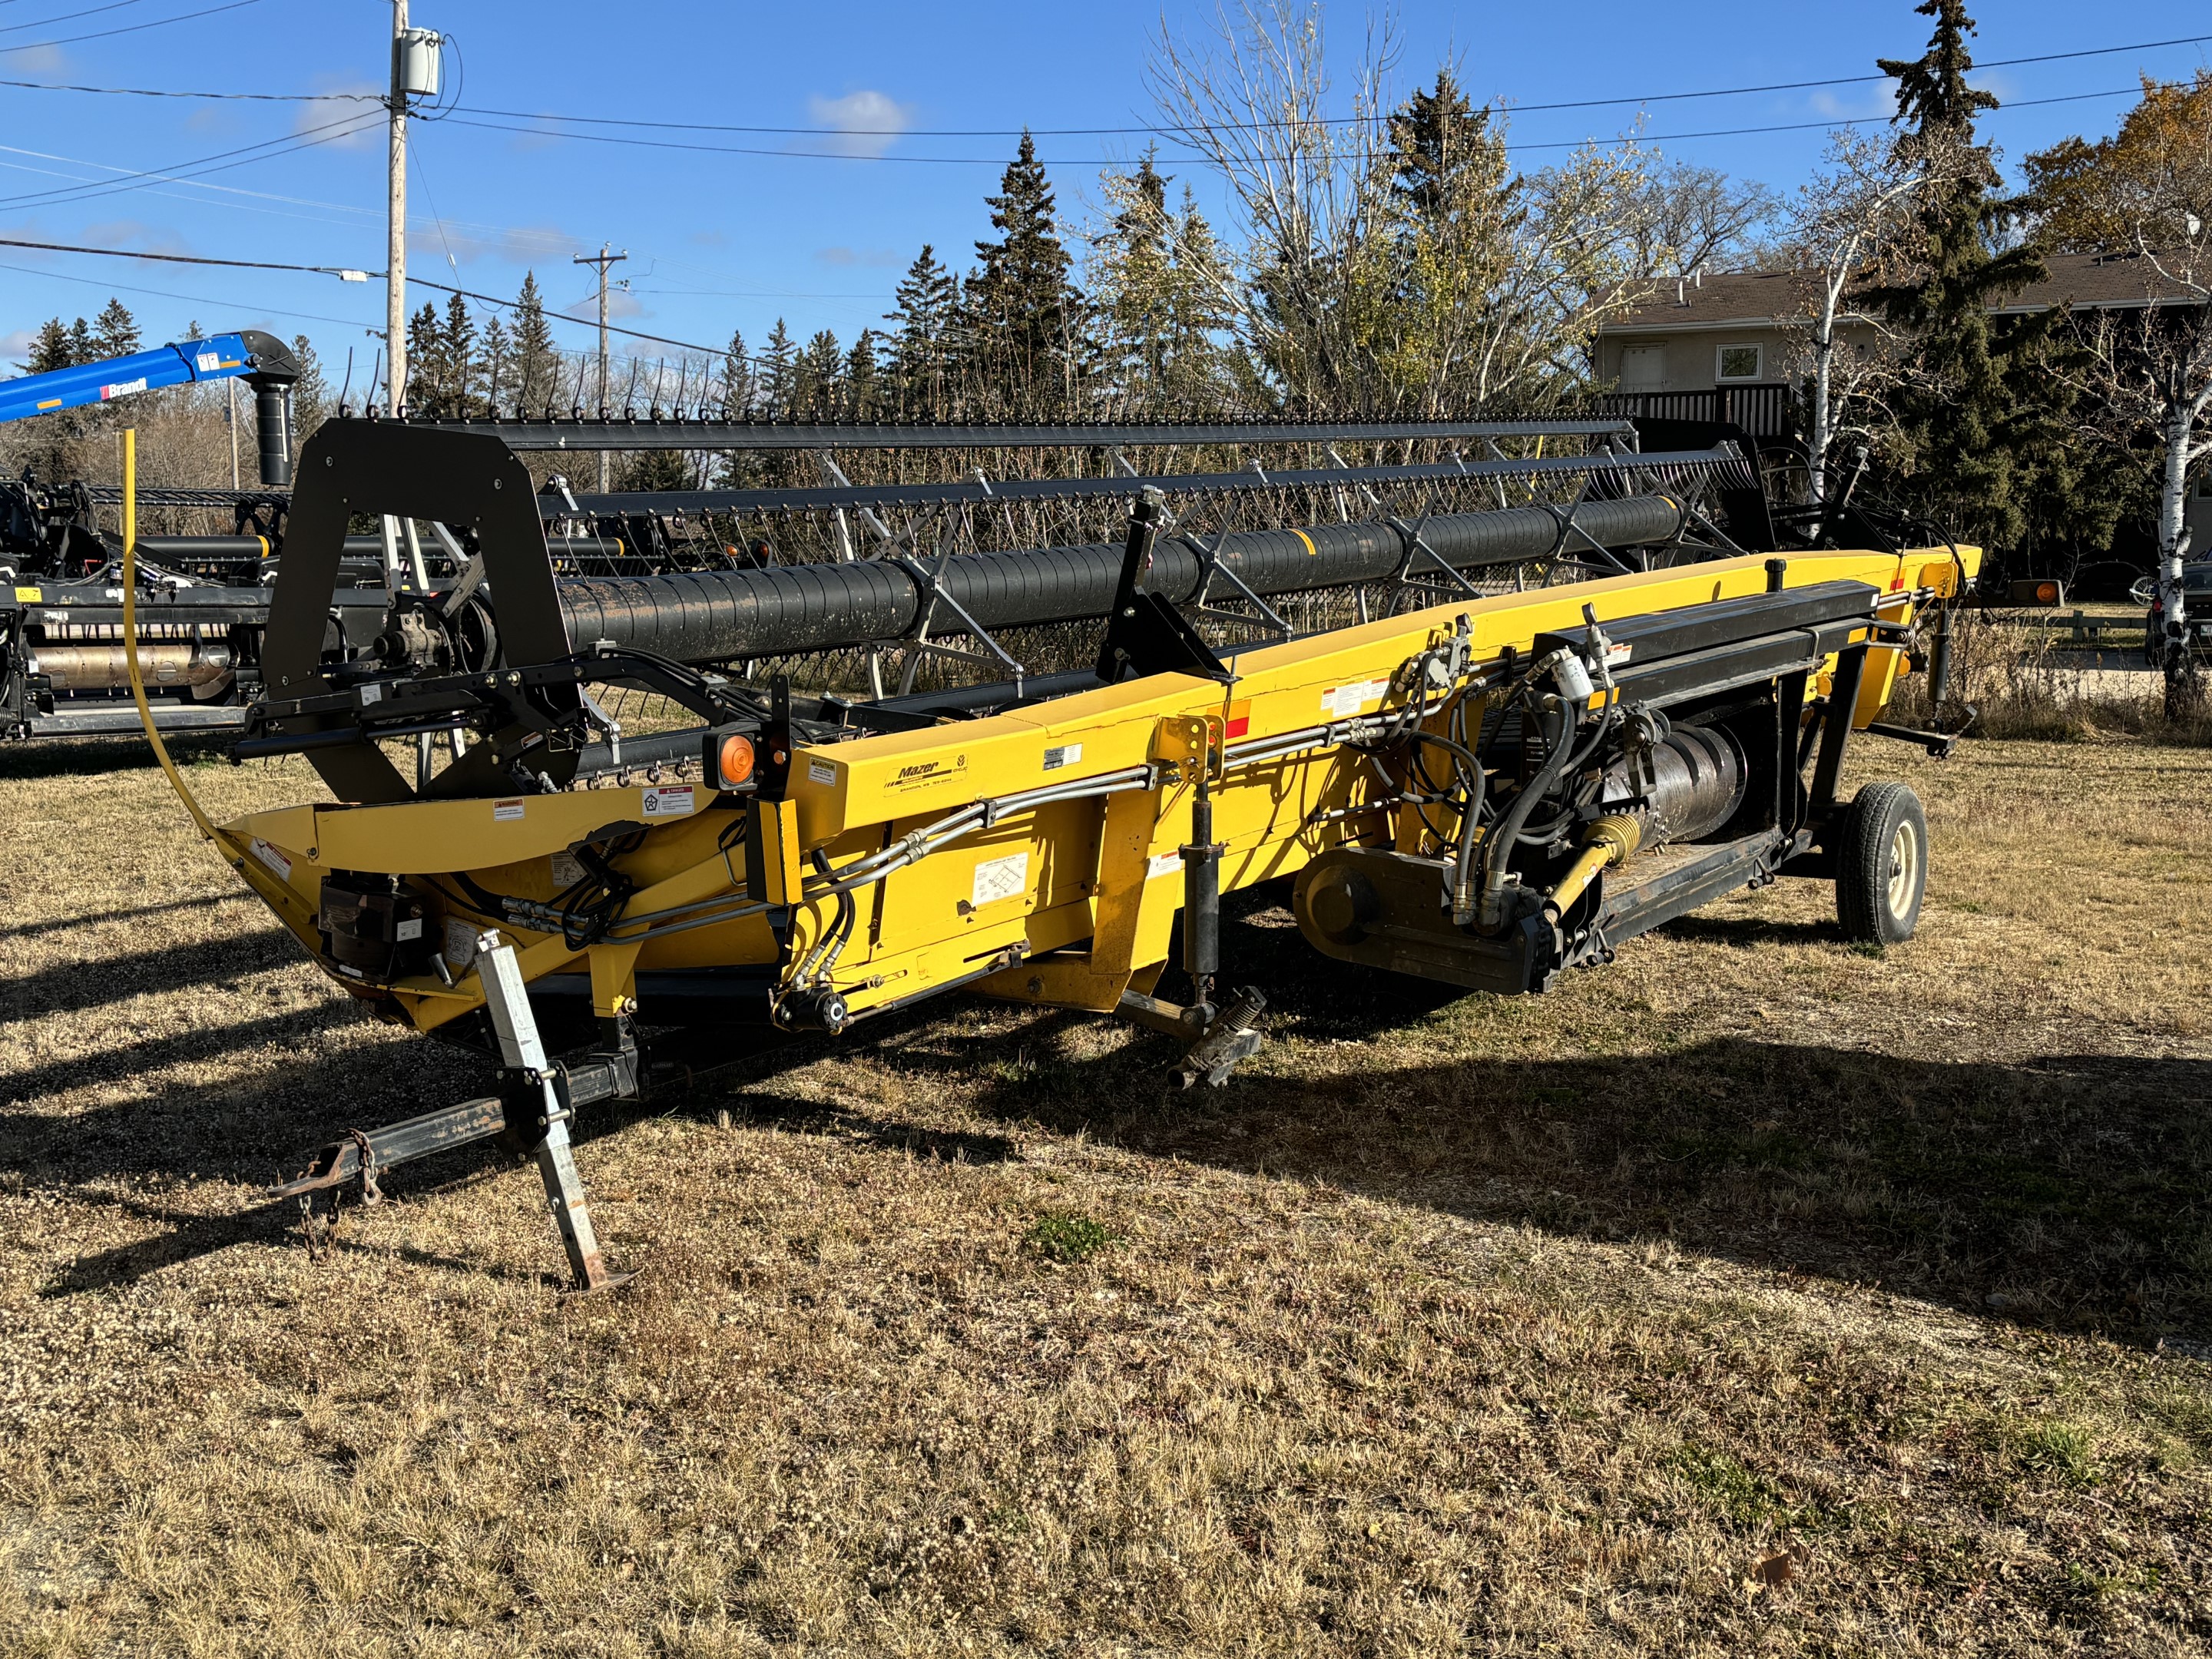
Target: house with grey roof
1726,345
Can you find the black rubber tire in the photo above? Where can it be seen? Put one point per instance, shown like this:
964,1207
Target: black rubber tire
1882,866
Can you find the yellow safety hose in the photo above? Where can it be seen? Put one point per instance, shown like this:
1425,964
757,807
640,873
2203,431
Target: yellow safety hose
131,647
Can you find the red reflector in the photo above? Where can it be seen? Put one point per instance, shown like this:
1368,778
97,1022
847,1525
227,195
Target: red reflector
1239,726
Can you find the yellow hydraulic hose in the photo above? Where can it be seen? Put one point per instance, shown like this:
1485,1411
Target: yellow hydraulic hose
130,645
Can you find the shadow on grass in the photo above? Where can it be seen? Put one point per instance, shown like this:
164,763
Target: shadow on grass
2062,1190
62,757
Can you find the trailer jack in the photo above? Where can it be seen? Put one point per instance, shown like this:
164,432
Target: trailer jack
540,1099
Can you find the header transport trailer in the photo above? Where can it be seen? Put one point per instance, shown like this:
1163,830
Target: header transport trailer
1483,788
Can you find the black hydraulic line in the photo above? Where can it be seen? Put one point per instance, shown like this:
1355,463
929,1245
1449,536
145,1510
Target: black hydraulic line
676,431
720,616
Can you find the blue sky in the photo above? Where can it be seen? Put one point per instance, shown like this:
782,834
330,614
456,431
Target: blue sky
722,240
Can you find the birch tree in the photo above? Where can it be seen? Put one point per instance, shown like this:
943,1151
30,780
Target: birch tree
2149,367
1846,227
2151,375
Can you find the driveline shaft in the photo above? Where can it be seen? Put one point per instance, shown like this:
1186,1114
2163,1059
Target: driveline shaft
720,615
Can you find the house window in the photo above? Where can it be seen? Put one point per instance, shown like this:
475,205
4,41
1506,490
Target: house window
1643,368
1737,363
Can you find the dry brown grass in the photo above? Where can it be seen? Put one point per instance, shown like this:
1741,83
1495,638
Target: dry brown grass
1753,1295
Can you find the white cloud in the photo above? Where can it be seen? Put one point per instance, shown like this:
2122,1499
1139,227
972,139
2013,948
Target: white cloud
38,60
15,347
540,246
866,123
138,236
848,256
313,121
1875,103
620,303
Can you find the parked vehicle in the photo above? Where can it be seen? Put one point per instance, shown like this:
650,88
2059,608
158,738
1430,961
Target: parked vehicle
2196,592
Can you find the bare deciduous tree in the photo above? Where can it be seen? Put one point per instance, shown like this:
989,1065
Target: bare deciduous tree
1350,293
1845,228
2150,374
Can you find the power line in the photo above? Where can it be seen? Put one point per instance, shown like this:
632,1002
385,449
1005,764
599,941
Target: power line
132,28
70,17
1012,132
190,299
1169,131
185,258
228,97
175,172
1064,161
321,270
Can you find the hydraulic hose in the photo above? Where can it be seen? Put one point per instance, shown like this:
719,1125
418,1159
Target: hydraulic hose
1489,912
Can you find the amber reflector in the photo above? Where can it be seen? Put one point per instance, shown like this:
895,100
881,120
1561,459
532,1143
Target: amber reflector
736,761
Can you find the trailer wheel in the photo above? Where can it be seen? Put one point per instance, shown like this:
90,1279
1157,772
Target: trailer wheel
1882,866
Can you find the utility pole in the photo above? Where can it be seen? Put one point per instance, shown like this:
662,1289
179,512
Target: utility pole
395,256
603,258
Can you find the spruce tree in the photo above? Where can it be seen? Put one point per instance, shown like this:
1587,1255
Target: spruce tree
50,350
1436,138
82,347
537,369
498,362
462,368
1972,408
777,363
815,375
926,299
311,393
737,380
115,331
425,390
862,385
1024,308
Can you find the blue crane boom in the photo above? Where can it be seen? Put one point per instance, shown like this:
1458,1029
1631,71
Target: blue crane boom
264,361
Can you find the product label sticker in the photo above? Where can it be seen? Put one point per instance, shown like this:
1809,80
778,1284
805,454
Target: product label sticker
1619,653
270,856
207,359
1162,864
460,942
409,929
920,774
1341,703
371,694
999,879
672,802
1066,754
822,771
568,870
506,811
28,596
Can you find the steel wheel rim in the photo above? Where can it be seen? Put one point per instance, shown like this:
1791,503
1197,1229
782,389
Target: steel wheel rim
1904,867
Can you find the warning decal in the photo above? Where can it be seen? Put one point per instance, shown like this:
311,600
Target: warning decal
999,879
673,802
1341,703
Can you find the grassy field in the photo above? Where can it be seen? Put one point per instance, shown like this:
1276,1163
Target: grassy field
1755,1295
